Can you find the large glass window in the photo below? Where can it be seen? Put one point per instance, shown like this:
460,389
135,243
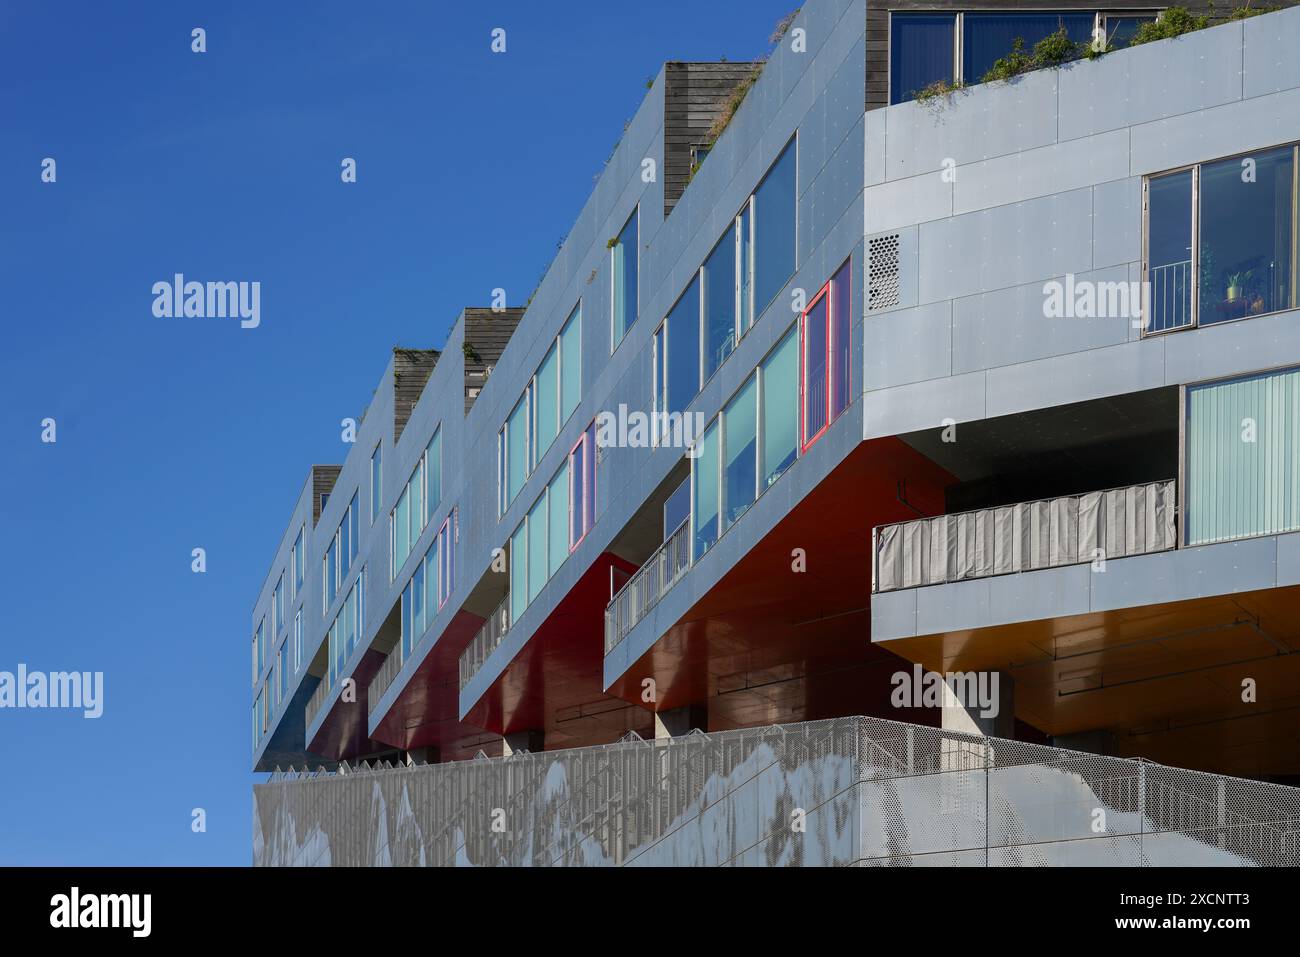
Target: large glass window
283,667
745,261
1243,458
582,479
571,364
921,52
1237,251
446,544
537,547
679,373
516,449
260,643
1119,31
774,229
547,395
297,640
704,492
557,498
277,608
1246,224
719,278
401,531
519,571
433,474
987,37
740,441
299,561
1169,251
780,374
623,267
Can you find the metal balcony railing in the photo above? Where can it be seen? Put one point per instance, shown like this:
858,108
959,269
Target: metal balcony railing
317,699
650,582
384,677
487,640
1171,296
1074,529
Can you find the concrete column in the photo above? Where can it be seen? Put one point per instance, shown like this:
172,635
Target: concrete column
531,741
680,721
983,702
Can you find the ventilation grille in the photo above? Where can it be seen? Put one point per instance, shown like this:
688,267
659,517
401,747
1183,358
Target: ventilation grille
882,272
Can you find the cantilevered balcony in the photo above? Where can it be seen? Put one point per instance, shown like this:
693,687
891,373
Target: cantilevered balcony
384,677
317,699
1070,530
487,640
647,585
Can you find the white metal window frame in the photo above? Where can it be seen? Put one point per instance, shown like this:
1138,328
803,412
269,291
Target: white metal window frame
613,342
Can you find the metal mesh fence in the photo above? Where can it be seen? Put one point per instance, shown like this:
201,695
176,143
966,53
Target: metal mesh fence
848,791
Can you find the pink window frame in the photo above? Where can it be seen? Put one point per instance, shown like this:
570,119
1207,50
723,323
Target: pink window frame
806,441
588,453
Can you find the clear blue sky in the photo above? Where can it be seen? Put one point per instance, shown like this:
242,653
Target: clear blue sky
176,434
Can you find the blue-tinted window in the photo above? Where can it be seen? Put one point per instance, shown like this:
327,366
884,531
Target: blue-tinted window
987,37
920,52
719,303
1121,30
623,263
682,352
677,509
1245,226
774,229
1169,250
740,439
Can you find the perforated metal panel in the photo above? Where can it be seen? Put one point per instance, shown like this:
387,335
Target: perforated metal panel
849,791
883,267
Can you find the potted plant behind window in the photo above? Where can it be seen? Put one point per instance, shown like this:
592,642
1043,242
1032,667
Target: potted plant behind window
1235,279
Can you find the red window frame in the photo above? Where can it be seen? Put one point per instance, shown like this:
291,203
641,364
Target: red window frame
806,441
829,293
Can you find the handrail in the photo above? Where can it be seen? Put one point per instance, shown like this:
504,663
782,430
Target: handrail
649,583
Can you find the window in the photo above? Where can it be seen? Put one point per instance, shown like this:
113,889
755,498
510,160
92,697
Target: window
987,37
774,229
514,452
277,608
257,720
704,492
825,356
677,347
258,653
283,668
408,518
582,486
519,571
297,641
720,299
552,396
623,263
376,480
339,555
923,47
1119,31
1237,488
537,575
446,545
677,508
571,364
546,393
557,519
921,52
344,632
433,474
1220,240
780,403
740,444
299,561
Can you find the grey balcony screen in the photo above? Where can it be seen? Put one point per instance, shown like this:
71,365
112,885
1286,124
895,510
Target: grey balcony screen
1075,529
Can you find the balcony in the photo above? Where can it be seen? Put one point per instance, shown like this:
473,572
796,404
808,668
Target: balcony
317,699
487,640
651,581
1072,530
384,677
